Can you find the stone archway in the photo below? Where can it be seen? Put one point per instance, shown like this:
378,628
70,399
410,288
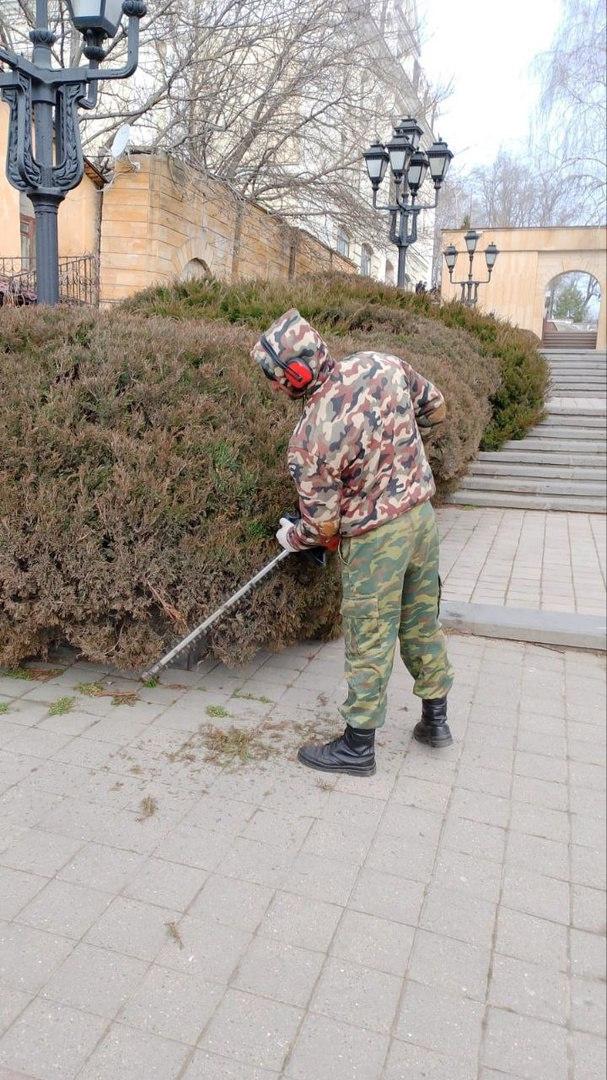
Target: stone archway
572,304
194,269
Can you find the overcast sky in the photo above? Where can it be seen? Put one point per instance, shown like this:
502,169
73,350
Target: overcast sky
486,47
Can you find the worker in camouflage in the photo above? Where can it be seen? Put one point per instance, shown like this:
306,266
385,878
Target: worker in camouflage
358,461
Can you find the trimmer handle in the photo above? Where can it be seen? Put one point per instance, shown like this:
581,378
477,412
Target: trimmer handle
316,555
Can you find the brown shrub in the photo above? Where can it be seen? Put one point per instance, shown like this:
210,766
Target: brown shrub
142,471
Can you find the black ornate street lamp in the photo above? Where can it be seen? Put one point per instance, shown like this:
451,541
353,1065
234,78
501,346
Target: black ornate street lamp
409,166
45,158
469,285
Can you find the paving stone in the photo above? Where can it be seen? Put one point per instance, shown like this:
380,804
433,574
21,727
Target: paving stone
373,942
474,838
206,949
252,1029
402,857
450,965
248,860
526,988
588,909
320,878
587,954
587,801
347,1052
588,867
537,941
131,1054
454,914
95,980
132,928
172,1005
346,990
234,903
469,874
543,793
29,956
588,1005
388,897
12,1002
335,839
204,1066
63,908
424,794
16,890
50,1040
299,921
481,807
531,1049
443,1022
587,831
538,854
407,1062
170,885
539,821
540,766
102,867
536,895
277,970
278,831
39,852
588,1056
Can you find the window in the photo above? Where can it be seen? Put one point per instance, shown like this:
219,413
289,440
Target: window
365,260
343,244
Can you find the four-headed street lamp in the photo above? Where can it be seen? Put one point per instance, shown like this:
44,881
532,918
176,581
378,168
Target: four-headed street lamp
469,285
45,158
409,166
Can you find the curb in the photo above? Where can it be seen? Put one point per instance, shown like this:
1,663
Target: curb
525,624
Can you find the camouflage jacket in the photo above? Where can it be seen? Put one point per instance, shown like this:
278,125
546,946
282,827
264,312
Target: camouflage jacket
356,456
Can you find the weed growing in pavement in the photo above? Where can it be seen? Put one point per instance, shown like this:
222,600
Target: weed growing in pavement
253,697
216,710
173,933
62,706
3,708
148,808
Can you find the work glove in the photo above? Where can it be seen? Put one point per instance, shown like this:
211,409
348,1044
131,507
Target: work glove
283,533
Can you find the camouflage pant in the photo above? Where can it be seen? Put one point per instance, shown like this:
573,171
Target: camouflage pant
390,591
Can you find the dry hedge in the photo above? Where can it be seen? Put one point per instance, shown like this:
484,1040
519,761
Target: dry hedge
142,475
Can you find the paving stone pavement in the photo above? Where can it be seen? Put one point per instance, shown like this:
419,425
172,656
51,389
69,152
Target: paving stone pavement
170,913
540,560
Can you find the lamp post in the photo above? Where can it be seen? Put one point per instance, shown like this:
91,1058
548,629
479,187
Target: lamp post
44,158
409,166
469,285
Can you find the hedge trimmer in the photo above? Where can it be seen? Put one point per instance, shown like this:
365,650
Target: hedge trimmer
317,556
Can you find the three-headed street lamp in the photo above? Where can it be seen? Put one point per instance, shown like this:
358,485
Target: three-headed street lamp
409,166
45,158
469,285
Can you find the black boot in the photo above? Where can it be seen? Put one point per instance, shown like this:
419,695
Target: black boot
352,753
433,728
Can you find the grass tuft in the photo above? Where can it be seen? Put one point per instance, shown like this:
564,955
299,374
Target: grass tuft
62,706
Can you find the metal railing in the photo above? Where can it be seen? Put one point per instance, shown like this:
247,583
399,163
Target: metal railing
78,280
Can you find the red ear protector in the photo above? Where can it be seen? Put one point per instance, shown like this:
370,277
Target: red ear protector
297,372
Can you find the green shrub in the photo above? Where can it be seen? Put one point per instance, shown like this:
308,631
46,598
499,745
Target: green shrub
142,463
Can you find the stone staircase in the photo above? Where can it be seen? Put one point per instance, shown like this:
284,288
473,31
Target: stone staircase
562,463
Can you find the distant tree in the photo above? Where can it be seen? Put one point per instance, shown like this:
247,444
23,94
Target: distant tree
569,304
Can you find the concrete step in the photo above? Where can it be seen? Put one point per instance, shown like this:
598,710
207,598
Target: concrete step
553,431
582,450
524,501
532,457
545,470
598,383
525,624
573,419
535,486
577,391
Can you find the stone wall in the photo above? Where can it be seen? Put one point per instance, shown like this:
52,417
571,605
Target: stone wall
162,220
529,259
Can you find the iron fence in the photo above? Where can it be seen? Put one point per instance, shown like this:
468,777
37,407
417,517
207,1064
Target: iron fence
78,280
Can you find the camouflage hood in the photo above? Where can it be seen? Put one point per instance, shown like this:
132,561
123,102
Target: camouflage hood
291,337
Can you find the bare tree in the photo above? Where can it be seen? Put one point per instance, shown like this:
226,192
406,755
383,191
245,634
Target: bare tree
274,97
